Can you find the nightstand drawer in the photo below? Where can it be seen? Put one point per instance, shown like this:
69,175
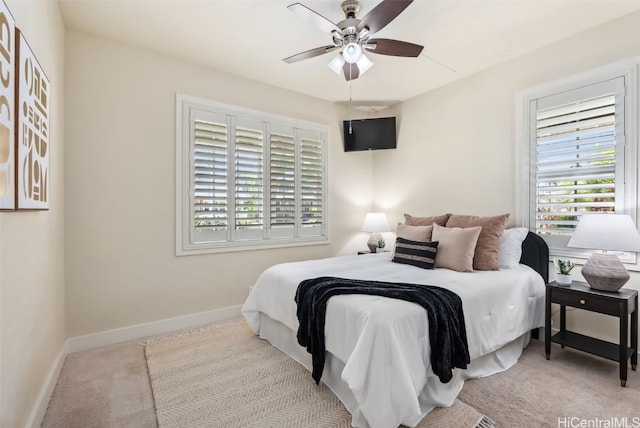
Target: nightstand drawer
590,303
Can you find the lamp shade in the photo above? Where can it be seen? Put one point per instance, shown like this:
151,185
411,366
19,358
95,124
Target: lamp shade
336,64
611,232
352,52
364,64
375,223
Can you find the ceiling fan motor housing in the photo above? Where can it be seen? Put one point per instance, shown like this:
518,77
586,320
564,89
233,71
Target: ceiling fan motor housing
351,8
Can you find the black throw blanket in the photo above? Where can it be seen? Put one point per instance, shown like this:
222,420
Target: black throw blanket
447,333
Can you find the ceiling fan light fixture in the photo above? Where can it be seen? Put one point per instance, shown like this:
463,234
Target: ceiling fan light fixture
352,36
364,64
352,52
336,64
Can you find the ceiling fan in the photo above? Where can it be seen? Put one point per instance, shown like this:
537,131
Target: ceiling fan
352,35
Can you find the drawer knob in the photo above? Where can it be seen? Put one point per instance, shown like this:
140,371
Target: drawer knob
582,302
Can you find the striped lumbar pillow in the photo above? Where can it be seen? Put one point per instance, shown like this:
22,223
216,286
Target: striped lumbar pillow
420,254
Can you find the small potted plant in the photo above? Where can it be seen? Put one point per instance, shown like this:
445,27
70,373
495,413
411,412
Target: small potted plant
380,245
563,268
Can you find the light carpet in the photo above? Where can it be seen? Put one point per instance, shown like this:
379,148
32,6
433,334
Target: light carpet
225,376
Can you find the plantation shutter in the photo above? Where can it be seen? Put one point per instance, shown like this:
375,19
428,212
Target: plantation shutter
579,157
209,194
247,180
282,163
248,154
311,183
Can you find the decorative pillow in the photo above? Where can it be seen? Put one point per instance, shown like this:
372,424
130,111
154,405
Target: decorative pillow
414,233
511,247
486,255
440,220
415,253
456,246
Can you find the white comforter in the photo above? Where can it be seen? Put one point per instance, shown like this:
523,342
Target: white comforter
384,342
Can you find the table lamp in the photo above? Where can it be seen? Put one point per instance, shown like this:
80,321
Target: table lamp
375,223
607,232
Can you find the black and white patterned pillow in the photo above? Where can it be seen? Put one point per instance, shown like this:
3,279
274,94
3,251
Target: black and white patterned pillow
420,254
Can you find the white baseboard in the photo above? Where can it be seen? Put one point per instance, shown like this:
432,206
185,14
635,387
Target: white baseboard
119,335
42,402
125,334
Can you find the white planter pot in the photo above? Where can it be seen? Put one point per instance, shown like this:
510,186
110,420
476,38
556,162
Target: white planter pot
563,279
379,250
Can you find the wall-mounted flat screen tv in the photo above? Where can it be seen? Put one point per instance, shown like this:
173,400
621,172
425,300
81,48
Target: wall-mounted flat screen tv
369,134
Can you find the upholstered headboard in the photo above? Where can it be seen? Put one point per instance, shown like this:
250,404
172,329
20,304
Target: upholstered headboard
535,254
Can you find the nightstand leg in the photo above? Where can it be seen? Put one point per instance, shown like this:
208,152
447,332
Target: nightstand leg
634,335
547,324
624,342
563,320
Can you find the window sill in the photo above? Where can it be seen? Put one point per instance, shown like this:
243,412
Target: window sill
229,247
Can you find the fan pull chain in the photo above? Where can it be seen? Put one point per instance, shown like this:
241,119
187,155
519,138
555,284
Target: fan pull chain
350,130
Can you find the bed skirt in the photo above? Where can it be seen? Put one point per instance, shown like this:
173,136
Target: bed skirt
434,394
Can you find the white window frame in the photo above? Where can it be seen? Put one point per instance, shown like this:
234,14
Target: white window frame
525,147
185,244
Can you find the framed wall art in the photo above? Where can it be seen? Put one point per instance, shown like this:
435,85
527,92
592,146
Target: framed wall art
7,109
32,133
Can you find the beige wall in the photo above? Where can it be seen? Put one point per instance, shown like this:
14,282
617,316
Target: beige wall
121,268
32,330
120,182
110,230
456,147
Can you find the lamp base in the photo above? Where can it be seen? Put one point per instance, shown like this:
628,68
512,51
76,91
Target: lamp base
605,272
372,243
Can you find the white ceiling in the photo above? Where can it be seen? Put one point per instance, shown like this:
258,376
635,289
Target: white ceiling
249,38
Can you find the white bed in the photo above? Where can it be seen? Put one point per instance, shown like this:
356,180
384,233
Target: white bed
378,353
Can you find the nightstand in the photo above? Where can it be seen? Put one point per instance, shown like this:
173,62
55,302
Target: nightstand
618,304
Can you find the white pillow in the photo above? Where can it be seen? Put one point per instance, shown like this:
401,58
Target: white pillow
511,247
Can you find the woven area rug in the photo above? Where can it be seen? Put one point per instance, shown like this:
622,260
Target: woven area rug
225,376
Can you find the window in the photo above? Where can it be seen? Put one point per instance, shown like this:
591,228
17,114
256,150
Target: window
247,179
579,155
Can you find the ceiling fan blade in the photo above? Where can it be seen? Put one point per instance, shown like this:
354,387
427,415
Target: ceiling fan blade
351,71
382,14
314,18
310,53
394,47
